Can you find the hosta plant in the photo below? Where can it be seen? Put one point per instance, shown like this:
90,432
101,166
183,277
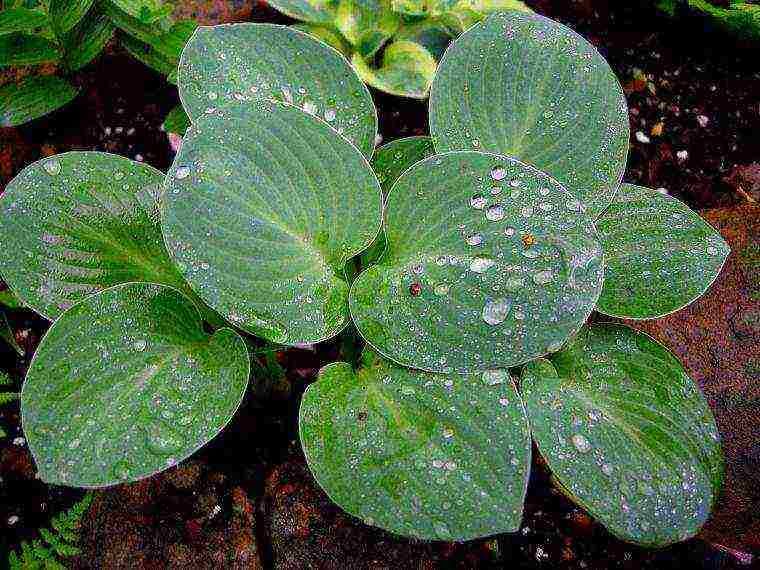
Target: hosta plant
469,261
394,45
43,43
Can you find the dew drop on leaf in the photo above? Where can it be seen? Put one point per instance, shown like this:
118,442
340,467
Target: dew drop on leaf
52,166
495,311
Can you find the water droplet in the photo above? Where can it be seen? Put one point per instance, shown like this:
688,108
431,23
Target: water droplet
712,250
182,172
498,173
474,239
52,166
581,443
286,94
212,95
441,289
509,232
310,108
330,115
543,277
607,469
140,345
495,377
481,264
448,433
478,202
495,213
495,311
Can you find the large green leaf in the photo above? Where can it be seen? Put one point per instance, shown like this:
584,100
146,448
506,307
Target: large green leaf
522,85
660,255
242,62
407,69
21,20
126,384
314,11
66,14
490,263
263,207
425,455
85,41
76,223
627,433
24,49
33,97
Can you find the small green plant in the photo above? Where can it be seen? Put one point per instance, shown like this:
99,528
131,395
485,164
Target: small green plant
394,45
736,17
57,545
486,248
60,37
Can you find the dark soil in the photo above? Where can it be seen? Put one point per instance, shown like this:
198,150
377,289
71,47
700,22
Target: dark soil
687,91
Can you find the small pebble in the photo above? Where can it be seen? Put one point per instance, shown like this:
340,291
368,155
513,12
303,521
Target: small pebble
702,120
642,138
682,155
13,519
19,441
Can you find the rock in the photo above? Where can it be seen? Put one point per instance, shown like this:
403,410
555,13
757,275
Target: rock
186,517
718,340
308,531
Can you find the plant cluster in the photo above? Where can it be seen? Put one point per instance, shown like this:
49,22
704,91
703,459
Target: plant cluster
60,37
57,545
394,45
469,261
736,17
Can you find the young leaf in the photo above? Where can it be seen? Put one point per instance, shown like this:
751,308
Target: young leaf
23,49
660,255
327,34
314,11
21,20
223,65
407,70
434,36
33,97
85,41
389,162
263,207
356,18
490,263
76,223
437,457
145,32
539,92
126,384
144,10
177,121
66,14
627,433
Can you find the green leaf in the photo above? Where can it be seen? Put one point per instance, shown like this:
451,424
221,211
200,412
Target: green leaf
539,92
23,49
149,55
21,20
355,18
68,13
327,34
419,454
389,162
407,70
79,222
660,255
627,433
490,263
9,300
177,121
225,64
85,42
314,11
263,207
144,10
33,97
126,384
6,333
145,32
433,35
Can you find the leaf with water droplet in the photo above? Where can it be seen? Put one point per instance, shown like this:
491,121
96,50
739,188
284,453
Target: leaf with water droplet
407,69
226,64
426,455
314,11
627,433
522,85
126,384
263,207
661,256
509,295
75,223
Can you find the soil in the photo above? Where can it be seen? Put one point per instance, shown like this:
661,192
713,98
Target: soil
695,122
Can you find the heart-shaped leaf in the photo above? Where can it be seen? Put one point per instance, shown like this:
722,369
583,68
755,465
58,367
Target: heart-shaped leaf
126,384
314,11
264,205
425,455
627,433
660,255
226,64
407,69
521,85
76,223
490,263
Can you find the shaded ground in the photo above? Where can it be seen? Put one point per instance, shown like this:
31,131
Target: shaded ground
219,509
